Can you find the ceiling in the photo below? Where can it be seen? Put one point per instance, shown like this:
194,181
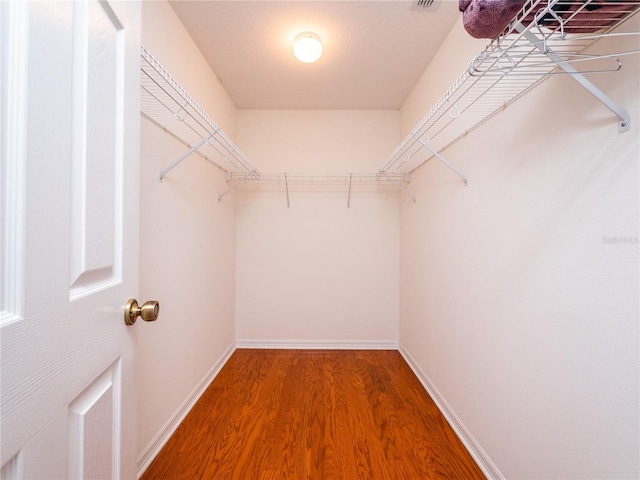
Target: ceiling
374,51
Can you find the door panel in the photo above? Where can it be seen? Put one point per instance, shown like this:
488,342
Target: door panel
97,150
93,444
14,51
70,114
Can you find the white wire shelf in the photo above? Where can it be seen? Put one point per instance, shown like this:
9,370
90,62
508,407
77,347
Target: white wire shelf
164,102
312,179
319,178
544,39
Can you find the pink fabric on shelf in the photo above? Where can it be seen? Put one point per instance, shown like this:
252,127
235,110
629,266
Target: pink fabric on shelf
592,17
463,4
488,18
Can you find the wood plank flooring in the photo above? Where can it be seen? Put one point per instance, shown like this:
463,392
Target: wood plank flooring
314,414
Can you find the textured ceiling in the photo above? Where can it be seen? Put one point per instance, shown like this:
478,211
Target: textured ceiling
374,51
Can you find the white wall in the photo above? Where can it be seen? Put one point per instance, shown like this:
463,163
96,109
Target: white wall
516,304
317,273
187,254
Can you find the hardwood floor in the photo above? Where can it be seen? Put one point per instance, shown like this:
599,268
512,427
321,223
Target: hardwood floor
314,414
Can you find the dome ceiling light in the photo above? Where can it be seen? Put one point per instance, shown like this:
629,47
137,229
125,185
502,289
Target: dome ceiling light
307,47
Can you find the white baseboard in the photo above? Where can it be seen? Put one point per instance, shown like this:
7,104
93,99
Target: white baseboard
474,448
318,344
154,447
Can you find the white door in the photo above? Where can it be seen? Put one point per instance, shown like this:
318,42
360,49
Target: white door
70,155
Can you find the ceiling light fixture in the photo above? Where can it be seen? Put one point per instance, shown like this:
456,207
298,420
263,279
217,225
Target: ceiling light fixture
307,47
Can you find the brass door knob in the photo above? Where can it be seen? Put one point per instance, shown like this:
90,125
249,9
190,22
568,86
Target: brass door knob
149,311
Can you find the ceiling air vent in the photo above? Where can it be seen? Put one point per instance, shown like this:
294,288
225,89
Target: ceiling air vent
423,4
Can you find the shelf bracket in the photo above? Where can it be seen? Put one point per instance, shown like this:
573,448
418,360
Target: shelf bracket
231,188
441,158
193,149
404,190
286,184
624,122
349,197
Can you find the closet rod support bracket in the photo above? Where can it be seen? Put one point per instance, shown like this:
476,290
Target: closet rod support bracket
624,125
624,122
231,188
403,190
193,149
443,160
